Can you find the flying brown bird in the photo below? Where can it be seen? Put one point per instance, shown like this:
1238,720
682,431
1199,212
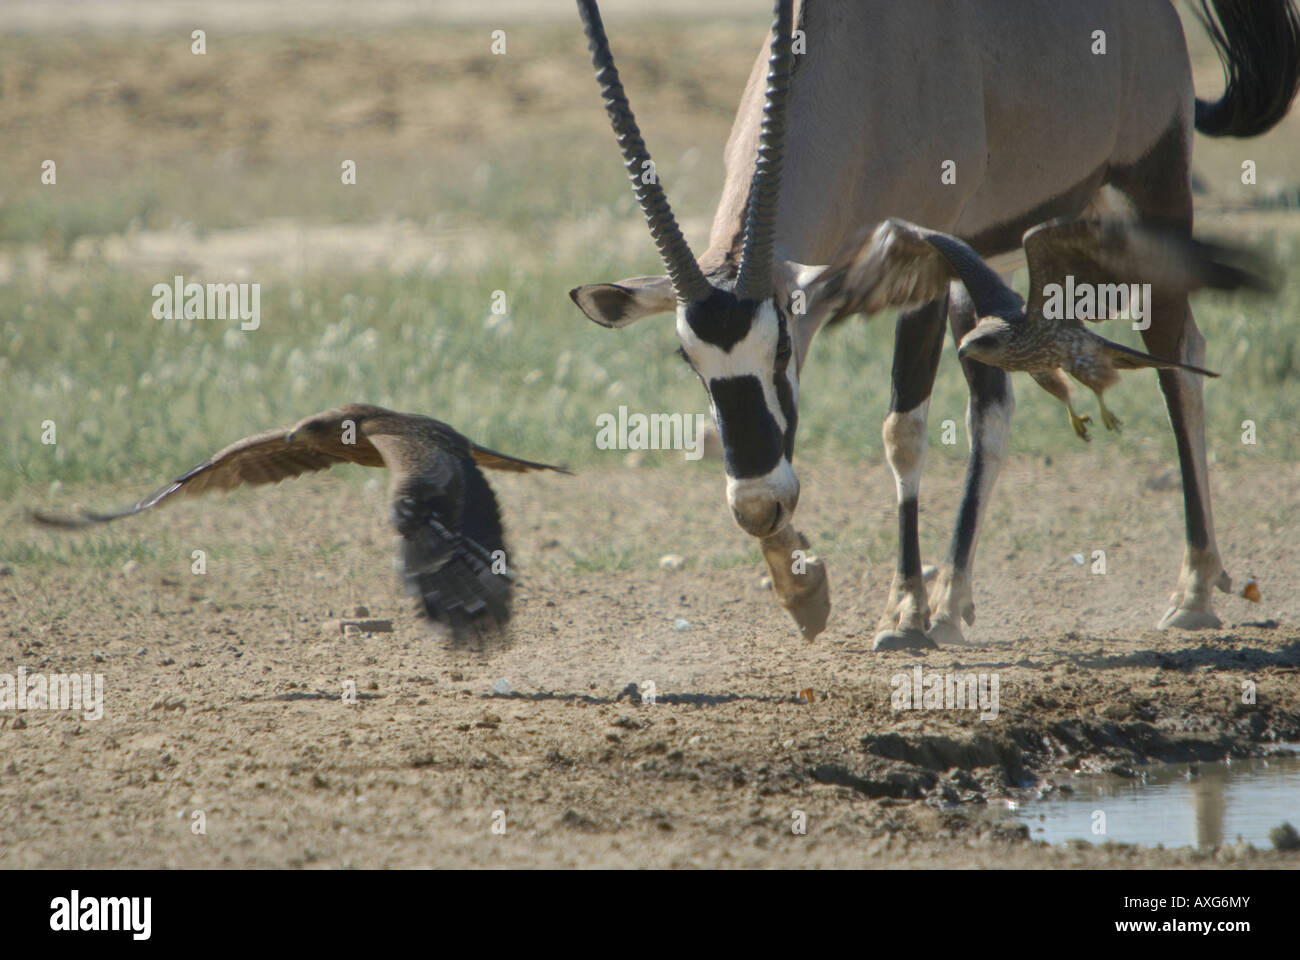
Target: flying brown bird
452,549
900,263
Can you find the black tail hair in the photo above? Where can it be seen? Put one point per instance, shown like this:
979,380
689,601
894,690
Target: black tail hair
1259,44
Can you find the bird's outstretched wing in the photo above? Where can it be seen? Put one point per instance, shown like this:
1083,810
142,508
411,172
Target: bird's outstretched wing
452,549
899,263
262,458
1110,251
500,461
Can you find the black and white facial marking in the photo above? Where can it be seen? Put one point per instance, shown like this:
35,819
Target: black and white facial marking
742,353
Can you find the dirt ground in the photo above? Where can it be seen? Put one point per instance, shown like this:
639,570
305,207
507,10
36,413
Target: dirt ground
224,692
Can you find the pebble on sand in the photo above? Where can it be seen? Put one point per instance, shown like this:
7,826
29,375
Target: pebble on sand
359,626
672,561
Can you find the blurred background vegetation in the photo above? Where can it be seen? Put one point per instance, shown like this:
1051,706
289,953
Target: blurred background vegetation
475,173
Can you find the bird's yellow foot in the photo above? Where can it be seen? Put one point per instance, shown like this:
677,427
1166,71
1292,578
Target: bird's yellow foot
1111,421
1079,423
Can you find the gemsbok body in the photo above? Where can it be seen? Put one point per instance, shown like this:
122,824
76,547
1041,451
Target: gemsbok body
978,118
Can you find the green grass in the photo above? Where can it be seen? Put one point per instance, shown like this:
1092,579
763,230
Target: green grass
135,398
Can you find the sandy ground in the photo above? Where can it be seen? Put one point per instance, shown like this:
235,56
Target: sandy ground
224,692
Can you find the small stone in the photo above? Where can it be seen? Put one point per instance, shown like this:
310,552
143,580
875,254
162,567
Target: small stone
765,582
1010,832
19,724
1285,837
672,561
353,627
680,624
142,651
360,611
501,687
130,567
1077,558
6,570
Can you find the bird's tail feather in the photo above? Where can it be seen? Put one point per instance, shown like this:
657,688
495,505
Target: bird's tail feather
500,461
1126,358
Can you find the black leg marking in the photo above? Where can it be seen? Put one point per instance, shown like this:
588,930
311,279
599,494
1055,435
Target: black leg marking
909,540
918,343
989,387
1198,534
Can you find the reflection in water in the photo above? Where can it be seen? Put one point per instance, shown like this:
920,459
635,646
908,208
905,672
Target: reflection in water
1177,805
1208,798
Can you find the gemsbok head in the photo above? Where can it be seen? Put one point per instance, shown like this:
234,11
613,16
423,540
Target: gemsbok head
734,333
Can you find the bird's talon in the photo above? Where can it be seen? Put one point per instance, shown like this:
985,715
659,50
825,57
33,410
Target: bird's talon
1080,425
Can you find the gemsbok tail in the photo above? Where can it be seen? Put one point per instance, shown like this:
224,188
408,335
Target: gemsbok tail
1259,44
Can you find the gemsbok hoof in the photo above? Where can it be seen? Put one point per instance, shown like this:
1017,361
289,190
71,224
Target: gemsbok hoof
903,640
1182,618
946,633
799,580
811,606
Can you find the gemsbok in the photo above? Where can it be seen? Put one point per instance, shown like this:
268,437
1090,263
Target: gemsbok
978,118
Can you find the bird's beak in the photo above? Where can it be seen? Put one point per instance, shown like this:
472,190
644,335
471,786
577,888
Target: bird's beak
961,353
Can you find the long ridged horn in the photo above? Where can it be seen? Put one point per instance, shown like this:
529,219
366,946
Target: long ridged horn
688,281
755,280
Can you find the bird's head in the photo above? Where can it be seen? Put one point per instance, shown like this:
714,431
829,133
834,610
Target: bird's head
988,342
310,431
334,426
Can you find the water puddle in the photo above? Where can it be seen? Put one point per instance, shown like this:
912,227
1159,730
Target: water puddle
1176,805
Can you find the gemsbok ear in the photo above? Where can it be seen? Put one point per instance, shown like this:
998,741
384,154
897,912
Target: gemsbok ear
625,302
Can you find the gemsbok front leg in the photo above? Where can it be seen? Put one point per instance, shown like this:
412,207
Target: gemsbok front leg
918,344
988,425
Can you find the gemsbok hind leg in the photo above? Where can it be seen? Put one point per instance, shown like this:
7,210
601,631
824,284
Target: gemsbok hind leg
988,424
1160,189
1191,606
918,343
